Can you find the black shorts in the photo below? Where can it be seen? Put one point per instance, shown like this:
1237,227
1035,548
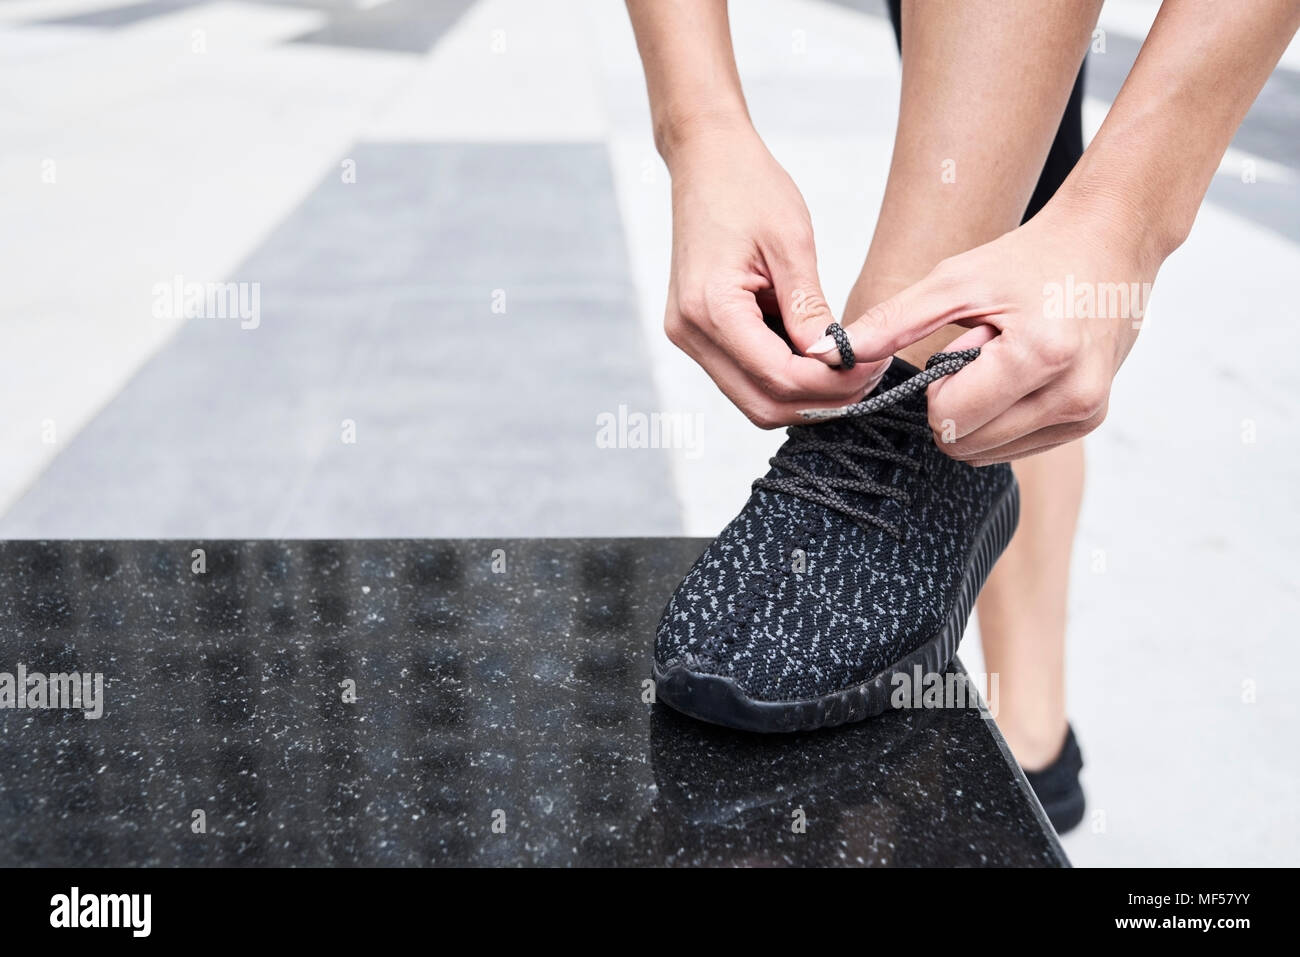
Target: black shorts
1066,148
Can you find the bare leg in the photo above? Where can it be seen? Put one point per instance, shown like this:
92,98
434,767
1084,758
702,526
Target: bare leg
984,85
1022,607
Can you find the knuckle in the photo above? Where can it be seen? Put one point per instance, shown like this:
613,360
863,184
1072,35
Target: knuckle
883,314
1083,403
691,304
808,304
779,388
762,415
948,274
1057,351
675,329
1091,421
945,270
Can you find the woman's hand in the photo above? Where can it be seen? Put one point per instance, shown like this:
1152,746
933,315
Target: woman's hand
1054,306
742,248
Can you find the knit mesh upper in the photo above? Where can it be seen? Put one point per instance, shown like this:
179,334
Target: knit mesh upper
794,600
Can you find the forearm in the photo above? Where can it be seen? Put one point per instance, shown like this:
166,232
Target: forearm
1152,161
690,68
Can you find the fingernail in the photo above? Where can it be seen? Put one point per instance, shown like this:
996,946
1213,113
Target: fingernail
822,346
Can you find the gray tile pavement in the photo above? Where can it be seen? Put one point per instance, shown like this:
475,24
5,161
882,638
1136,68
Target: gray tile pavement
377,308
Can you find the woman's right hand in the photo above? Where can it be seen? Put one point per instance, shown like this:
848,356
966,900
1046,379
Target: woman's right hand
743,248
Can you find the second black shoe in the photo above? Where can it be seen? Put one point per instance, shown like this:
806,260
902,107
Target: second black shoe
1057,786
857,557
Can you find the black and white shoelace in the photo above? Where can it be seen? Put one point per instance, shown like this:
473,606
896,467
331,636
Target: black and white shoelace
855,447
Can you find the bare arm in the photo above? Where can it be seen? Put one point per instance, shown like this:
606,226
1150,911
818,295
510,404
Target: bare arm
690,68
742,237
1044,375
1200,69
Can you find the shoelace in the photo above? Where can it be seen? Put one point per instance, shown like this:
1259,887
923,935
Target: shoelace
855,447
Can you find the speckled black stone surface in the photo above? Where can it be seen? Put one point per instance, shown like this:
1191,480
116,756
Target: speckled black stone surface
491,686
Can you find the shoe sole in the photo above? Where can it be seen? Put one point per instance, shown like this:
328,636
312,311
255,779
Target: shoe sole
719,700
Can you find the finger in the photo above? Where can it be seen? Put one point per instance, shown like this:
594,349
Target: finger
975,338
804,311
755,394
737,328
1012,457
737,385
1037,411
901,320
1003,374
1037,441
793,269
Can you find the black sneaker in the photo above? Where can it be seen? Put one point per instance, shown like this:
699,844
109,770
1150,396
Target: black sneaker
1057,786
858,556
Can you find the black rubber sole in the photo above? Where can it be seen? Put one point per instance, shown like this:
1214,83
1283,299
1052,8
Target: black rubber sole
719,700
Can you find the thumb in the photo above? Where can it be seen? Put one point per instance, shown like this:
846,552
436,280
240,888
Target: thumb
799,294
896,323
